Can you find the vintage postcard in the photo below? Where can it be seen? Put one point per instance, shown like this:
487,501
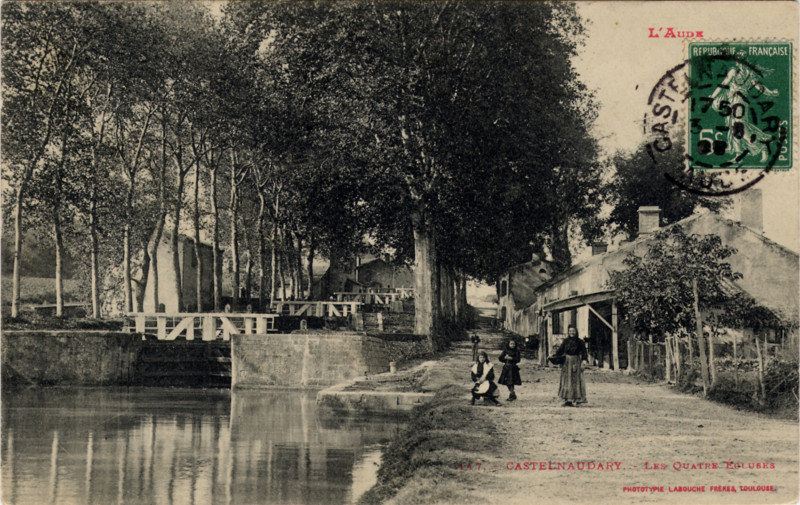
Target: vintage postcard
367,252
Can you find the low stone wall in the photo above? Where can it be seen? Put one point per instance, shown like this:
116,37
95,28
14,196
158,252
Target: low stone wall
307,359
75,358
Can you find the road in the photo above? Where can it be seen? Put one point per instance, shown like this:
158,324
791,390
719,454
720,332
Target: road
634,442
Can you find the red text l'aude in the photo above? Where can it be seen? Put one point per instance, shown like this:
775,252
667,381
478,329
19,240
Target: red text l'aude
671,33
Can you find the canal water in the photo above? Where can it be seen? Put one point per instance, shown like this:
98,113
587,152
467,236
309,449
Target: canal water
183,446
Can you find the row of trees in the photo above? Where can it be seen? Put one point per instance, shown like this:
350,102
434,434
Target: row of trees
451,134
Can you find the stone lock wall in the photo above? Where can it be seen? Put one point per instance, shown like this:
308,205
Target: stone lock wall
307,359
79,358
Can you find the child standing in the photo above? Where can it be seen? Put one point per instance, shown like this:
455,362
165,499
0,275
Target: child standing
509,377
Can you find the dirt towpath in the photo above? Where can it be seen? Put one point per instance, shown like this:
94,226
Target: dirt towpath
634,442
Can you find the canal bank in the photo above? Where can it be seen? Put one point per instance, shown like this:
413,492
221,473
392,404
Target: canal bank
536,450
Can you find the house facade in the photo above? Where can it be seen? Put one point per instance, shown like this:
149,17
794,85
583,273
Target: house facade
581,294
167,295
353,275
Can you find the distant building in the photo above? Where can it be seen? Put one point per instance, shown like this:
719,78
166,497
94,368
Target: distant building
516,294
188,268
581,296
353,275
381,275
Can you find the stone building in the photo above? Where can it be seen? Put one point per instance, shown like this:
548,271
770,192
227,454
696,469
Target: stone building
581,296
188,268
354,275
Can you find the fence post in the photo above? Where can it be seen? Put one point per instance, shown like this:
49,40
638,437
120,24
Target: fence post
208,328
140,323
161,327
190,330
630,354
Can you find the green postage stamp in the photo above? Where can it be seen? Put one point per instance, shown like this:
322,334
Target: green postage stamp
740,107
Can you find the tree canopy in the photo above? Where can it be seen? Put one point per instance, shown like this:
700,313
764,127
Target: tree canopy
451,134
637,182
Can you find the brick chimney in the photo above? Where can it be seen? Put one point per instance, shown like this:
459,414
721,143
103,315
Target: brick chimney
599,248
751,209
649,219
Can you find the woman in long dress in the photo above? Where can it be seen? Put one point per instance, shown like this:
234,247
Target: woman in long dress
572,387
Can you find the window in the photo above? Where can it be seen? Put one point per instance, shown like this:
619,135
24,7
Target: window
558,323
503,288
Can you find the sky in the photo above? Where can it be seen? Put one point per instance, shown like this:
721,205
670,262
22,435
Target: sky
622,64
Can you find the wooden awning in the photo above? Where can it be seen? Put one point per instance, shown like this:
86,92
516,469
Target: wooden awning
576,301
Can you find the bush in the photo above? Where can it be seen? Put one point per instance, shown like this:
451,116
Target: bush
781,381
32,321
688,381
741,392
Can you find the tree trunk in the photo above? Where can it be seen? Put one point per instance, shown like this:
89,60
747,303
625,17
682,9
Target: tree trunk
760,356
176,263
15,297
59,243
94,255
273,263
126,250
262,251
668,359
198,257
217,267
282,263
711,367
700,338
234,206
272,254
735,363
57,232
464,302
311,269
446,295
425,279
458,304
298,257
248,276
677,359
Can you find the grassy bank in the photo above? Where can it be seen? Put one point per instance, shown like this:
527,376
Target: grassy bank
424,460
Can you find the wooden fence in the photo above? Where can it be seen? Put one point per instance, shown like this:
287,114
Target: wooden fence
316,309
367,298
206,325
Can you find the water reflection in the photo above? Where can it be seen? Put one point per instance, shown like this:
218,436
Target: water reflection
176,447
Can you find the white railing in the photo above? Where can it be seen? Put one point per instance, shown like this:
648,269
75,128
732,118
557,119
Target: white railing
368,298
316,309
405,293
206,325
